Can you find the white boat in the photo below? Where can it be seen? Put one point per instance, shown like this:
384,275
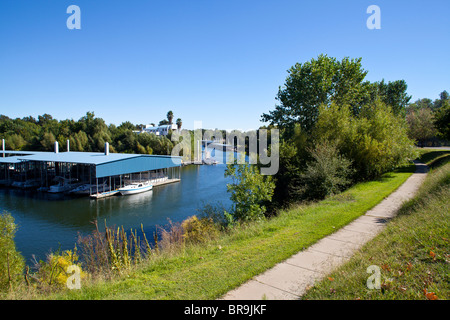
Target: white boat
135,188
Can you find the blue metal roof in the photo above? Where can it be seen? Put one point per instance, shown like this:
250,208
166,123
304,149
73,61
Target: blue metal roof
78,157
136,164
9,160
106,165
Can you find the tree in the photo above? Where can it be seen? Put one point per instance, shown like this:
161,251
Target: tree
421,125
48,141
250,191
179,123
12,263
392,94
170,116
442,120
420,103
320,81
376,140
443,98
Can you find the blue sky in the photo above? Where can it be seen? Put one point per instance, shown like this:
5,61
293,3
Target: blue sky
215,61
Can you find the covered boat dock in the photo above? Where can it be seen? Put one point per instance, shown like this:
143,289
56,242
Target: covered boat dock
85,173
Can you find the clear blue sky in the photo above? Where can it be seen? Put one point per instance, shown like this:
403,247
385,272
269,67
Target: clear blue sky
216,61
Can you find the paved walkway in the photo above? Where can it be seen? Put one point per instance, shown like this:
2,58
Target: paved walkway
290,279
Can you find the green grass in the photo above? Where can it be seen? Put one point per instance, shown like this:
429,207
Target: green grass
412,252
210,270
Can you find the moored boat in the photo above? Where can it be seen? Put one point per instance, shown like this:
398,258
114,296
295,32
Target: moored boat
135,188
64,185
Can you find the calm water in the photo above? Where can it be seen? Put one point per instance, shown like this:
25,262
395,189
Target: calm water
48,222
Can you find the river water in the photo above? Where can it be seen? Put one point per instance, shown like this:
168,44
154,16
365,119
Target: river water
47,222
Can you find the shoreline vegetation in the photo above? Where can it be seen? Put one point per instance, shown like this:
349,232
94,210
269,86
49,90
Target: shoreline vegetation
178,268
344,145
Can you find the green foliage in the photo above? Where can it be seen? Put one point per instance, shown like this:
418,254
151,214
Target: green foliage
392,94
412,251
11,261
53,271
420,123
197,230
329,172
375,141
320,81
442,120
89,133
250,191
326,102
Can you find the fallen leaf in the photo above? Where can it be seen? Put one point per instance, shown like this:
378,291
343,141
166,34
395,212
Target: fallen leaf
409,266
430,295
385,267
330,278
433,255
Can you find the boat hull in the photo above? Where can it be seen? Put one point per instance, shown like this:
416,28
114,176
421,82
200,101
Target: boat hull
127,191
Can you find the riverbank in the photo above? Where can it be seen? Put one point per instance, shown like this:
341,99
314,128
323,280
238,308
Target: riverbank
209,270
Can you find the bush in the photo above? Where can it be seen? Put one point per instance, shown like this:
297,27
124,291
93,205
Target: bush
199,230
376,141
250,192
329,172
54,271
11,261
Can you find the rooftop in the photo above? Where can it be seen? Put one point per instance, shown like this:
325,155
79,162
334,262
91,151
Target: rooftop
95,158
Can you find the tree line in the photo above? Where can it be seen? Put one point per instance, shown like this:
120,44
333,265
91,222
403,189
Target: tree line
429,121
88,134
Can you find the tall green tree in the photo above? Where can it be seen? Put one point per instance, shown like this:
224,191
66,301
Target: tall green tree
444,97
320,81
442,120
421,125
170,116
392,94
179,123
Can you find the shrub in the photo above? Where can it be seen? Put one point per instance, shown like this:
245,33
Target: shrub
250,192
329,172
54,271
11,261
199,230
376,140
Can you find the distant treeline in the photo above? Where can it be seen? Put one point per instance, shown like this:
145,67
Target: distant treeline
89,133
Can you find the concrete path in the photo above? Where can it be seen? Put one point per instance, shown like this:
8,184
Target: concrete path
290,279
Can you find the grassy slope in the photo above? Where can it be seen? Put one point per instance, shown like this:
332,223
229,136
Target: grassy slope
210,270
412,252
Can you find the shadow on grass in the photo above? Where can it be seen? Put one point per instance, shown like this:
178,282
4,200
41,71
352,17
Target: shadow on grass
427,157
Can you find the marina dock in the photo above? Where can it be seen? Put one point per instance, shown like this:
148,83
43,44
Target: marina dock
94,174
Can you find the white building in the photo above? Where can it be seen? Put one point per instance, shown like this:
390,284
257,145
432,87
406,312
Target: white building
160,130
